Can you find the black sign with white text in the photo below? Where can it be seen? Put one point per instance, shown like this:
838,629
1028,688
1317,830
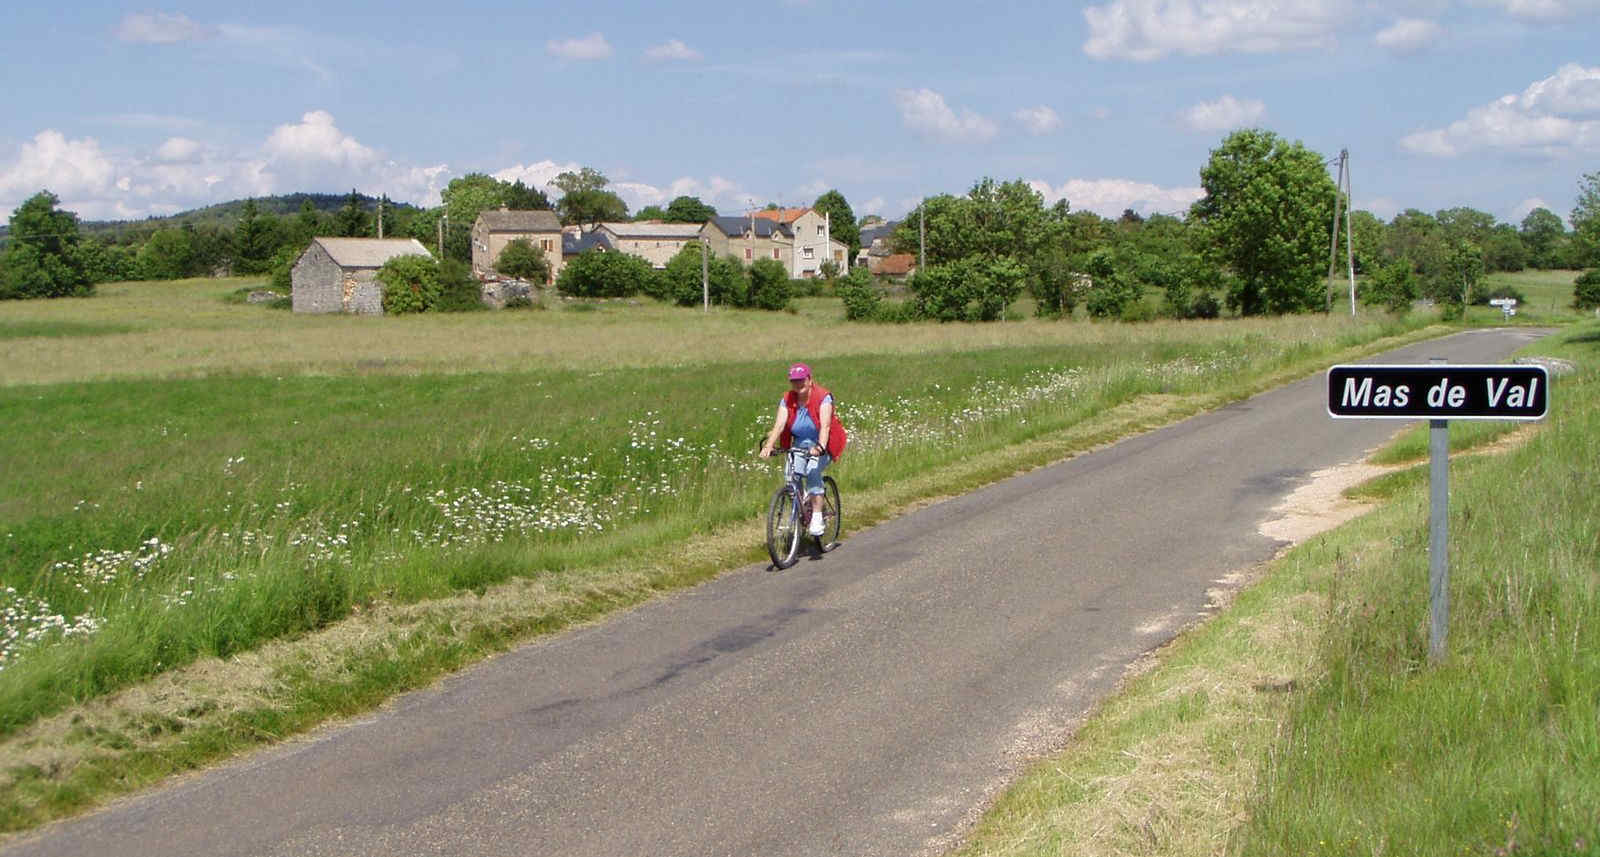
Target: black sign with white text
1438,391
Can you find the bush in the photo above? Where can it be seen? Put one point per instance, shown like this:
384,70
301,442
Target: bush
1393,287
410,284
680,282
1112,294
971,289
598,274
1586,290
769,285
861,297
1483,292
524,261
459,290
282,266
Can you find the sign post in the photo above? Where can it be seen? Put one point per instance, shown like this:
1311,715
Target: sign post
1439,393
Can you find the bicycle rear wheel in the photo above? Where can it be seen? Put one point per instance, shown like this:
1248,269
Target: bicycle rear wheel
783,528
832,514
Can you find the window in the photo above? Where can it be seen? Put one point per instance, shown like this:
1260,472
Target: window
775,253
819,231
747,254
544,244
809,254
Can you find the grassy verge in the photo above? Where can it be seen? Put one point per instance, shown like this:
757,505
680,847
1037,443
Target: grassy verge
1306,719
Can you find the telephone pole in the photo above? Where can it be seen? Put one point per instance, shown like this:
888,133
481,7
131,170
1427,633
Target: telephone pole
1341,200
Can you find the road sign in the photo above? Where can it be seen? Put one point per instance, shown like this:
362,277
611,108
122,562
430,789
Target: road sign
1503,302
1438,391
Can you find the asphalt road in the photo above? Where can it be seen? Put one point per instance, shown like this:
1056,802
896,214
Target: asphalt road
865,703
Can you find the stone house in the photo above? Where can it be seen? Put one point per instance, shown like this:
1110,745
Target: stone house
812,242
339,274
651,240
496,228
748,238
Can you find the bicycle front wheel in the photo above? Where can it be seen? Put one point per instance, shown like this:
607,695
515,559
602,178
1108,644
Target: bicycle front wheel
832,514
783,528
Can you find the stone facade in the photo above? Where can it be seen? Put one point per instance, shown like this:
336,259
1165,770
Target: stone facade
339,274
496,228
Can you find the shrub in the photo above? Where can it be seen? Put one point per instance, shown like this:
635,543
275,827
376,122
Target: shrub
680,282
459,290
1393,287
1586,290
410,284
1112,293
971,289
598,274
769,285
861,297
521,259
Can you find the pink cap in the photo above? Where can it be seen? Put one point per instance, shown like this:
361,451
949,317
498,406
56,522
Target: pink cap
799,372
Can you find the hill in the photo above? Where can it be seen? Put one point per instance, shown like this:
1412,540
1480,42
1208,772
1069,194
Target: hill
227,213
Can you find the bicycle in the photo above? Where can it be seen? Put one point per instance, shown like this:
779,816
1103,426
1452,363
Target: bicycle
790,511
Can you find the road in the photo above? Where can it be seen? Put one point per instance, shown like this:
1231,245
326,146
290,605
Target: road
866,703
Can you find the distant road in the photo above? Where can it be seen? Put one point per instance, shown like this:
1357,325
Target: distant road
862,704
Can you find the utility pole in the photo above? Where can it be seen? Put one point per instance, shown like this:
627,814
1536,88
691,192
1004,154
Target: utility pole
441,222
705,271
380,218
1341,200
922,235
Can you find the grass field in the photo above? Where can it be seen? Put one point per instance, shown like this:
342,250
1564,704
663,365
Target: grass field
195,482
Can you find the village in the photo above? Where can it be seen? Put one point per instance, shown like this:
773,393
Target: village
339,274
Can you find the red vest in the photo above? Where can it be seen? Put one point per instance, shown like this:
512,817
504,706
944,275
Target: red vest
836,435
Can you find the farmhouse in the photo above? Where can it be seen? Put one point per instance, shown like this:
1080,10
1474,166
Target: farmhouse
651,240
494,229
337,274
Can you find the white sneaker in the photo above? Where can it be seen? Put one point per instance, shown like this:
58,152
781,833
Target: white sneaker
816,525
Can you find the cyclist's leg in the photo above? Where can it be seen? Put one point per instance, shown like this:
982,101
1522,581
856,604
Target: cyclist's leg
814,484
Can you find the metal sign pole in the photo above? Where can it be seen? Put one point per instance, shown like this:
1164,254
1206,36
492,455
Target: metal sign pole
1438,534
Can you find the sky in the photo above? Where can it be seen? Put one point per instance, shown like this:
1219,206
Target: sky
127,111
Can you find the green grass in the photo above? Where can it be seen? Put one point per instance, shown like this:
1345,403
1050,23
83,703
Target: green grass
299,474
1307,718
57,329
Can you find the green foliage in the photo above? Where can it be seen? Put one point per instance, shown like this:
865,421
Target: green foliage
41,260
769,285
168,255
1268,204
1586,290
519,197
1544,235
1586,222
352,219
107,263
1113,293
410,284
688,209
282,266
596,274
680,282
972,289
585,200
1393,287
862,298
523,260
255,239
459,290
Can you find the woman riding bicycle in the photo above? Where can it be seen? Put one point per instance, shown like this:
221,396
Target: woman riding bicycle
806,420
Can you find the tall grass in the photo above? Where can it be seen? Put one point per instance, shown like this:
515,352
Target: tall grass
1497,748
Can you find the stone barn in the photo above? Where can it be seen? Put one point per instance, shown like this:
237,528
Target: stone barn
338,274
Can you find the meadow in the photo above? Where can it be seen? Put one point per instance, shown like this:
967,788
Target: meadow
193,480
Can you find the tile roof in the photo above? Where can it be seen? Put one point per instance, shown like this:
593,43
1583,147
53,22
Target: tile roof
784,215
734,225
574,243
654,229
899,263
370,252
506,220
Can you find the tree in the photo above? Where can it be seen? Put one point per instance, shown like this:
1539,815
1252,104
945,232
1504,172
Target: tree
769,284
352,220
410,284
1394,287
167,255
1543,233
651,212
255,239
41,260
681,282
467,196
688,209
1586,222
521,259
841,220
520,197
585,200
1268,204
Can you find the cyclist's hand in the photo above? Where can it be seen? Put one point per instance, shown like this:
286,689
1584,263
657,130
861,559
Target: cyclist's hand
816,450
766,451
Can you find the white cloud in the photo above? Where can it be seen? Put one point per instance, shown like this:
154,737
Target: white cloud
537,175
160,28
1545,10
71,169
591,47
871,206
720,193
1408,36
672,50
1556,116
1526,207
178,150
1109,197
316,139
1038,120
1152,29
925,110
1224,114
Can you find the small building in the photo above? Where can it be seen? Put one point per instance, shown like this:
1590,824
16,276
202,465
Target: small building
339,274
651,240
748,237
496,228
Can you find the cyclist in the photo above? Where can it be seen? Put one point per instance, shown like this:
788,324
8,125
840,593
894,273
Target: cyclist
806,420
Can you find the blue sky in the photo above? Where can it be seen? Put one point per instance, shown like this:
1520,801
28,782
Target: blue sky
127,111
